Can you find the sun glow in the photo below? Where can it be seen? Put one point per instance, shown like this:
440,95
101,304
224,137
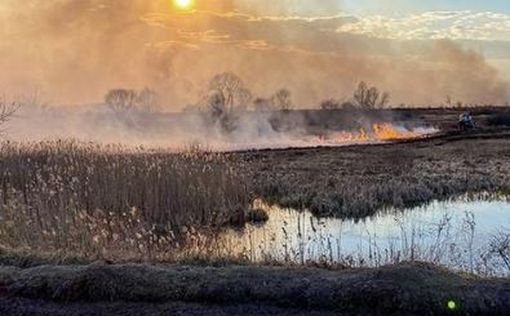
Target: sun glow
183,4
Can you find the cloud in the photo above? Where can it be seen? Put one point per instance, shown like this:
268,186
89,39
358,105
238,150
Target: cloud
452,25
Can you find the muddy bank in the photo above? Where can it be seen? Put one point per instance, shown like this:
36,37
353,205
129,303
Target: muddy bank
411,289
357,181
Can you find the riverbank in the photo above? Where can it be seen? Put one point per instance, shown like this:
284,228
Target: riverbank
102,289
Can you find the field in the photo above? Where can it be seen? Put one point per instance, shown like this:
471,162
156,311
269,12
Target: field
74,203
358,181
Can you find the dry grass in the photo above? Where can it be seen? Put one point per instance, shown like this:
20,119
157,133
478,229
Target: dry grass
87,200
80,200
359,181
407,289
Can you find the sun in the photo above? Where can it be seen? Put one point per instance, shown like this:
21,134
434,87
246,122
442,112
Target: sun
183,4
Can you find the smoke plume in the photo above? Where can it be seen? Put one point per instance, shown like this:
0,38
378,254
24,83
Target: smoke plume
74,51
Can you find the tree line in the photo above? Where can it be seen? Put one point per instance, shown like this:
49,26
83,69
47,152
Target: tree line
363,97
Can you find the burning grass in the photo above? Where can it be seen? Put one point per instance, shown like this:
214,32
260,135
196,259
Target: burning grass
377,133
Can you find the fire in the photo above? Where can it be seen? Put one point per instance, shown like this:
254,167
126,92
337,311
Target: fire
380,132
387,131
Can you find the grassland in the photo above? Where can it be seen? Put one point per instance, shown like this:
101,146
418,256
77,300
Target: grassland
358,181
87,200
75,203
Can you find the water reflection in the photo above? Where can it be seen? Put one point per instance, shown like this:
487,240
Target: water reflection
456,234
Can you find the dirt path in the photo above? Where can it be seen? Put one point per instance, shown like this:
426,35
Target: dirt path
99,289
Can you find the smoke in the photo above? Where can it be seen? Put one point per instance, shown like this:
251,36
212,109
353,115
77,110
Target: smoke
199,130
73,51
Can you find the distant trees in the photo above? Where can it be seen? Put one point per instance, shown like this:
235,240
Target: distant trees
364,97
227,96
329,104
148,101
121,100
228,93
126,100
7,111
367,98
282,100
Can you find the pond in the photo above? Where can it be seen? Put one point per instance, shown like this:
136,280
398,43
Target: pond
461,234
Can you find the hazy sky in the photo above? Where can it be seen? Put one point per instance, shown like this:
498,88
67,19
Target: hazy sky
408,6
73,51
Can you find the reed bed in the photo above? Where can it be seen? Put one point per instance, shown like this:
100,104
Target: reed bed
89,199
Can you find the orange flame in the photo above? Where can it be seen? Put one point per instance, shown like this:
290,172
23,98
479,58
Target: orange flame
387,131
379,133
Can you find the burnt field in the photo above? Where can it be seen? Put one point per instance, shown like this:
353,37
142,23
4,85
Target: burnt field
357,181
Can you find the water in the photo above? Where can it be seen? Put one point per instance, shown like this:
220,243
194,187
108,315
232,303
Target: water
458,234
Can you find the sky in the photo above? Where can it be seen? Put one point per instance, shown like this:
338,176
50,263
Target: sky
72,52
413,6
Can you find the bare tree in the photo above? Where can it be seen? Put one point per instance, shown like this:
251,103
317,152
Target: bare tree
384,100
231,90
282,99
216,104
367,97
121,100
148,101
7,111
244,98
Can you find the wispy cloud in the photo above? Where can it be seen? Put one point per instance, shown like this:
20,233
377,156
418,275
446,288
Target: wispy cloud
434,25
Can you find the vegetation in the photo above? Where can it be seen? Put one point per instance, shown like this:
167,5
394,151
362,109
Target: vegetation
122,101
258,215
366,97
330,104
7,111
282,100
407,289
359,181
85,199
94,201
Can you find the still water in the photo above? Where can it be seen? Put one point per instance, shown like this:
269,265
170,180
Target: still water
458,234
